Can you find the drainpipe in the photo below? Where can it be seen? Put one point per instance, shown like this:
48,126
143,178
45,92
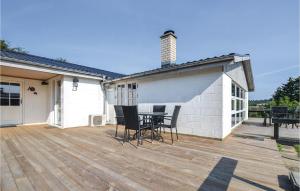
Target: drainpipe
104,95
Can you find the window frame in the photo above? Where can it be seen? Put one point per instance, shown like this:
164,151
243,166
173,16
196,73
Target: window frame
238,98
11,100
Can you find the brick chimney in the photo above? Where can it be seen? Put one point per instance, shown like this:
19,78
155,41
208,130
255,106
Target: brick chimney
168,48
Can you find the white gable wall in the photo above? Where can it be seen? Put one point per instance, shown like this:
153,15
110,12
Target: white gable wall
79,104
236,72
233,72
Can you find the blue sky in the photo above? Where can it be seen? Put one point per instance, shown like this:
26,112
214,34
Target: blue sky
123,35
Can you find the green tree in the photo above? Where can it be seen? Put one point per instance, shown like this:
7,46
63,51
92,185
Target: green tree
4,45
287,94
289,89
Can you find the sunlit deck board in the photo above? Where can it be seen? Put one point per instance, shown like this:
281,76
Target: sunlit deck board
85,158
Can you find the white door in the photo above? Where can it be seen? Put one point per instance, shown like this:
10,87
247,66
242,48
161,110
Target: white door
11,103
111,101
132,94
57,106
121,95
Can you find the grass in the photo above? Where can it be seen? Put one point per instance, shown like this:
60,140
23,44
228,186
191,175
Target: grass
297,148
280,147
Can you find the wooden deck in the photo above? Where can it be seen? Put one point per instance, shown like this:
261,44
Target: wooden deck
45,158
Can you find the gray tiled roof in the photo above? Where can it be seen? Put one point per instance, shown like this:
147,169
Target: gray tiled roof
173,67
51,63
197,63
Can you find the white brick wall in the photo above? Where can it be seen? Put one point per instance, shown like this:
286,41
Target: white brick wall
200,96
226,110
205,97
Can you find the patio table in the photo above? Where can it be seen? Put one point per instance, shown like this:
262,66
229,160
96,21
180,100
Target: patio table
148,116
278,121
266,115
153,114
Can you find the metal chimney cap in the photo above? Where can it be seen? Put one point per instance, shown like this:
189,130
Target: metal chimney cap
169,31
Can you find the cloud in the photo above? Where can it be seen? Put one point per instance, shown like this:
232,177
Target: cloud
277,71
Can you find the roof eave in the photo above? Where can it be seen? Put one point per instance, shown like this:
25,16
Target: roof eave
249,74
50,67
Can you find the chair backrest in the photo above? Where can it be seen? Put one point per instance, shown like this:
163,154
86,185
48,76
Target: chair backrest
279,111
119,114
175,115
159,108
131,117
297,112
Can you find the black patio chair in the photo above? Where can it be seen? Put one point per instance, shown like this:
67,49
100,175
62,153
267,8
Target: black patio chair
173,121
296,115
279,112
158,119
119,117
132,122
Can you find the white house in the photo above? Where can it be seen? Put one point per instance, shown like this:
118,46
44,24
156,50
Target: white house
213,92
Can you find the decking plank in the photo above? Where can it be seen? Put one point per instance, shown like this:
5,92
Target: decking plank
92,159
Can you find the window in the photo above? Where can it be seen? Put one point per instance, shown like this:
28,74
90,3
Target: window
241,105
237,104
132,94
232,120
121,94
9,94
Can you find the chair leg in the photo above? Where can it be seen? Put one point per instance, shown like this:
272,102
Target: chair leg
116,131
125,135
138,138
142,136
171,135
129,135
176,134
152,134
